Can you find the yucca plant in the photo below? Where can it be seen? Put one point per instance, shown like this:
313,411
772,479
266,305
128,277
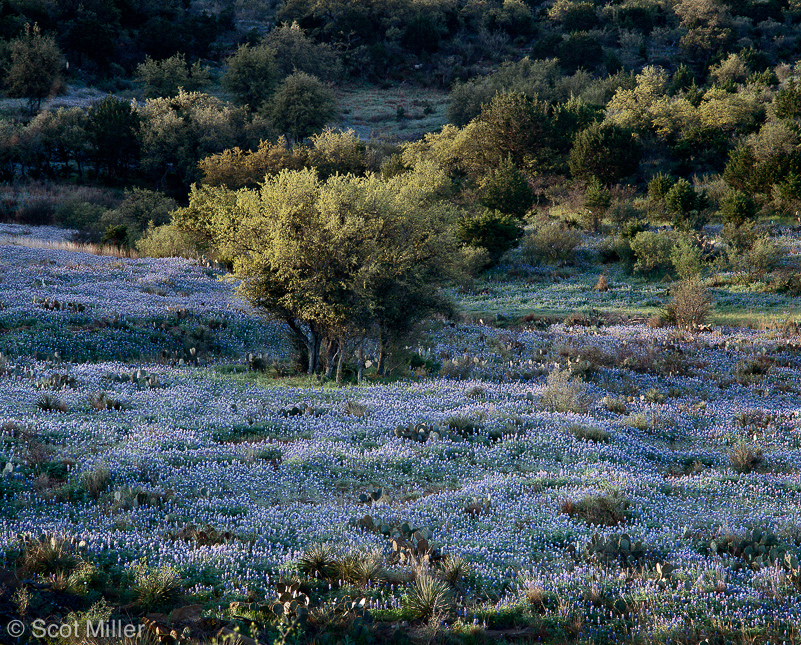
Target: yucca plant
429,597
51,403
368,567
49,554
454,568
319,561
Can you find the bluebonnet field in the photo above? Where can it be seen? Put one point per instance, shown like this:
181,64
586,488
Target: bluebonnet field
604,483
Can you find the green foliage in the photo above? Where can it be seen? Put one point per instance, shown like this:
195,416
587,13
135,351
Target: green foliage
690,304
511,127
659,186
788,100
333,258
564,393
491,230
301,105
113,128
737,207
652,251
686,259
140,209
551,243
34,70
155,587
506,190
605,151
178,132
533,78
686,205
319,561
294,51
599,510
166,241
166,77
251,75
597,200
616,547
578,48
429,597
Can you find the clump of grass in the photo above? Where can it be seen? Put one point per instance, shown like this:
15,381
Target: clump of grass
358,410
745,457
429,597
463,426
564,393
155,586
598,510
102,401
96,482
615,405
588,433
368,567
48,555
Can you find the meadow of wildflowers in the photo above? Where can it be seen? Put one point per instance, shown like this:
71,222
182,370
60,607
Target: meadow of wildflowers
688,441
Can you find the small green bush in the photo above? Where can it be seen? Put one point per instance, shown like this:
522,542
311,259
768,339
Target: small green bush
551,243
737,207
564,393
652,251
686,259
492,230
167,241
690,306
659,186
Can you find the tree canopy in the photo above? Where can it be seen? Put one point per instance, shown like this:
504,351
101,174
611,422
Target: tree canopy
338,259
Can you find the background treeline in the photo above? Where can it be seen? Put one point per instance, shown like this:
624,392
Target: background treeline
570,114
433,42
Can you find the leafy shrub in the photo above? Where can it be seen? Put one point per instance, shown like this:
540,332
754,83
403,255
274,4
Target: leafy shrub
652,251
564,393
80,215
690,306
659,186
686,205
686,259
737,207
166,77
492,230
552,243
598,510
139,209
166,241
301,105
506,190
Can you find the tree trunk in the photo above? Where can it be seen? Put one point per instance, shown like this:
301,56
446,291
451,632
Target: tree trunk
360,371
331,353
382,350
340,361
